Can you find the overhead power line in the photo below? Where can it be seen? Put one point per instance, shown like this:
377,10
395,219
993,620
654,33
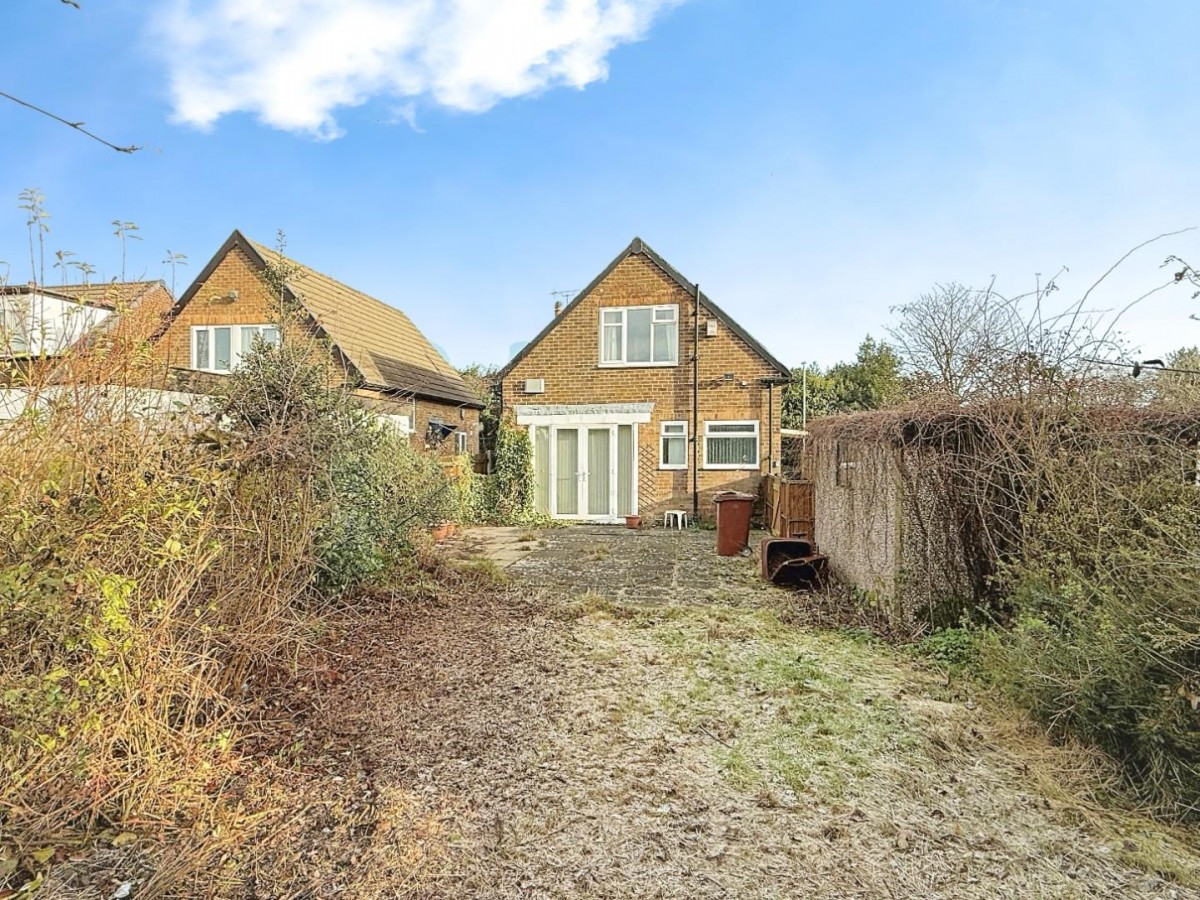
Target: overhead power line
78,126
1146,365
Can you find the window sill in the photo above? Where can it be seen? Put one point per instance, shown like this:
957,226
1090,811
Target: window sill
746,468
683,468
637,365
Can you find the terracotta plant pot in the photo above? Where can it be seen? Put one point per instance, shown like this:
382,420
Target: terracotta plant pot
442,531
633,521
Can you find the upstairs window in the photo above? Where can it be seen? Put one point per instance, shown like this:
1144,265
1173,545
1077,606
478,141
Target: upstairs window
731,445
219,348
639,336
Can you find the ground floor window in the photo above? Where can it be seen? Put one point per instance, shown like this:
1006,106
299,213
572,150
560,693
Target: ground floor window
673,443
731,445
219,348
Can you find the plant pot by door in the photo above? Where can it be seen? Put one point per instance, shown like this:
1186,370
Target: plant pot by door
633,521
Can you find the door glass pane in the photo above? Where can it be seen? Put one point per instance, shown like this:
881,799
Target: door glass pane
566,483
638,322
541,468
200,357
599,479
624,470
223,358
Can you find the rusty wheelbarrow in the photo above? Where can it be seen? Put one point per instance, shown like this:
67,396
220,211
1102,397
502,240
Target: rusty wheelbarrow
793,562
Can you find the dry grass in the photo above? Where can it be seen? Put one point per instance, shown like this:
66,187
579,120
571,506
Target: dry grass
459,737
194,730
886,786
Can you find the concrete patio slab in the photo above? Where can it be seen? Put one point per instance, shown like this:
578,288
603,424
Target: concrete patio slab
648,566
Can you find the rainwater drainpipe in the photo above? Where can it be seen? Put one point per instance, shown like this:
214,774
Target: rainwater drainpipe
696,410
771,428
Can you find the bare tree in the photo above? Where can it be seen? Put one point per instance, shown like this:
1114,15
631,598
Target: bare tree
966,344
953,339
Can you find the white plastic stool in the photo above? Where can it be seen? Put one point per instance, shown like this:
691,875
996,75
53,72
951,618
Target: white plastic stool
675,518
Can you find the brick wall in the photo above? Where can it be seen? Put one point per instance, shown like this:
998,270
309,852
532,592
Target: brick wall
568,358
463,419
255,306
211,306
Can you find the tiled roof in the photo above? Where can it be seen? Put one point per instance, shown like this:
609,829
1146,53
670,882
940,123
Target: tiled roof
380,340
107,295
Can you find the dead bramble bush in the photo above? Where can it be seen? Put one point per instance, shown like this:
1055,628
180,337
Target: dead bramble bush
157,570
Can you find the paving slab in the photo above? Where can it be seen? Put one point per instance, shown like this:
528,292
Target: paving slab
645,566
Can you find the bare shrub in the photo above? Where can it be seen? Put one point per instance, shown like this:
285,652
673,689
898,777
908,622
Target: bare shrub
1069,493
158,567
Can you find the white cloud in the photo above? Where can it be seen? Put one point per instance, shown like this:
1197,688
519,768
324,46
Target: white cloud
293,63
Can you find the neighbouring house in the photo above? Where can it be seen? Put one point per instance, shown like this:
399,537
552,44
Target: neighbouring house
384,358
636,404
40,324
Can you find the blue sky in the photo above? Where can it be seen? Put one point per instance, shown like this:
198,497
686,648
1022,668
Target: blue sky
810,164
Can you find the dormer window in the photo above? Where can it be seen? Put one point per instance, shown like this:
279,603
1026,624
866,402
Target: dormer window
639,336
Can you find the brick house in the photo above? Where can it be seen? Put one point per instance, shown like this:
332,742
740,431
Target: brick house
635,404
386,360
42,327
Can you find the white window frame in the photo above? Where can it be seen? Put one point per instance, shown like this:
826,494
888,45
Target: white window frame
236,350
460,442
756,465
14,336
623,311
663,435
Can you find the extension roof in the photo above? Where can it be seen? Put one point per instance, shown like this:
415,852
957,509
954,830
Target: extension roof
638,246
380,341
141,297
109,294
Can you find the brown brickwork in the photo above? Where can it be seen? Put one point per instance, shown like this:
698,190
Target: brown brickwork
568,358
209,304
462,418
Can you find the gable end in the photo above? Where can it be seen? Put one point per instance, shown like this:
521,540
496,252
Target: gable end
638,246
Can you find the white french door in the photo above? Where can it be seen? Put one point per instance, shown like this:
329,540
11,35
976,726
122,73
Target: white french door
584,472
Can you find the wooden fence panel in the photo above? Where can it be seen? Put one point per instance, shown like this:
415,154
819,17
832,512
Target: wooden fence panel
789,507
